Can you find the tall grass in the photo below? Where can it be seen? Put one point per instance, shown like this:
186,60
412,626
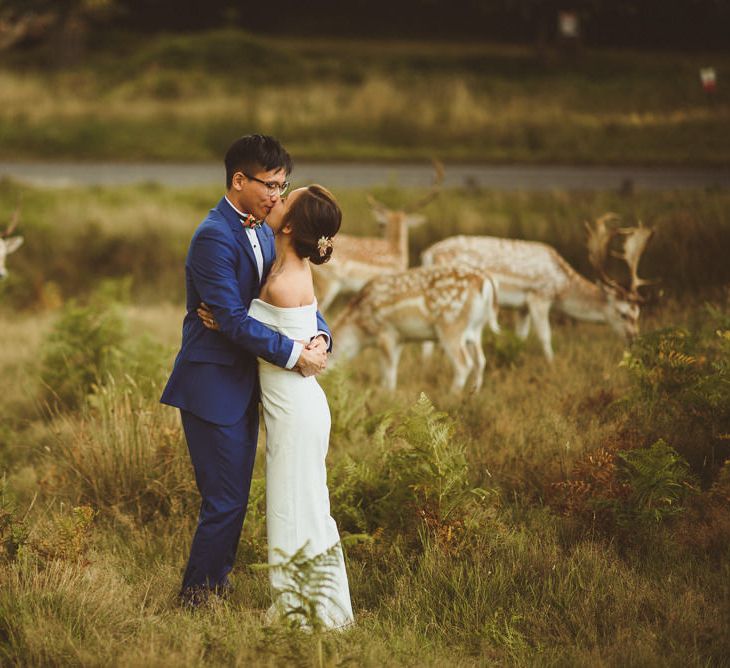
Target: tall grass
477,556
175,97
516,583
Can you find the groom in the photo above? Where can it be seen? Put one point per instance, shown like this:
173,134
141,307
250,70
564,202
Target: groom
214,381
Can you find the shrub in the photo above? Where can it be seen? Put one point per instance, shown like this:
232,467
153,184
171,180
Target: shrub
90,344
67,535
13,531
84,347
417,478
681,390
626,491
659,481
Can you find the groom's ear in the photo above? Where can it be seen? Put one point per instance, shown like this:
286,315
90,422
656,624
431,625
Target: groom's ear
237,181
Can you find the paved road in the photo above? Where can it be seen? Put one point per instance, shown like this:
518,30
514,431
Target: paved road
531,178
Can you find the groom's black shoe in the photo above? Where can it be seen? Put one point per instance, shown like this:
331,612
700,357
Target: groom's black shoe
199,596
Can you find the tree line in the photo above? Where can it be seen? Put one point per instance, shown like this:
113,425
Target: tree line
676,24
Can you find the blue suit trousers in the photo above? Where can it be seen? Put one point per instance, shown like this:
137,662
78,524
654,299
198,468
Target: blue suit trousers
223,458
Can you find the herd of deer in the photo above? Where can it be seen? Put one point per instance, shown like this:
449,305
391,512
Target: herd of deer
455,293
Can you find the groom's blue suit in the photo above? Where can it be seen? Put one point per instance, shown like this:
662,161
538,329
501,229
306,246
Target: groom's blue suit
214,383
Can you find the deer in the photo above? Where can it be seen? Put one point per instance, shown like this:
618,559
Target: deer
359,259
448,304
8,243
534,278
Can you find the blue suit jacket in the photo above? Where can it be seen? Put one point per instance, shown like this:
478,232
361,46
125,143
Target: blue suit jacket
215,372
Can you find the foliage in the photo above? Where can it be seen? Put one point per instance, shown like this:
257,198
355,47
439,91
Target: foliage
305,581
659,480
681,390
13,530
504,350
143,232
84,348
627,491
67,536
169,97
634,572
427,467
90,344
416,477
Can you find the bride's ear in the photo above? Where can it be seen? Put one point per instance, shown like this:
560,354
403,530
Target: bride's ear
286,229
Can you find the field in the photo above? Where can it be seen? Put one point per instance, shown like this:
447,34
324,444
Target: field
573,514
185,97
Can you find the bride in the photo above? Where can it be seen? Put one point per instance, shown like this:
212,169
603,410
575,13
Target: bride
296,414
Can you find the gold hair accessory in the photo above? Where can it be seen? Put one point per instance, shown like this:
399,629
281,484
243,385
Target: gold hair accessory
323,244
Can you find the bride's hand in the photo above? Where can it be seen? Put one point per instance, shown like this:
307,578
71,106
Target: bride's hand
206,315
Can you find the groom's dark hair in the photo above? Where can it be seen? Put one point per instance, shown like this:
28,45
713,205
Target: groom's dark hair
256,153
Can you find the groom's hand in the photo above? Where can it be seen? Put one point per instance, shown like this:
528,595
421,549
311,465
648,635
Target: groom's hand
312,360
206,315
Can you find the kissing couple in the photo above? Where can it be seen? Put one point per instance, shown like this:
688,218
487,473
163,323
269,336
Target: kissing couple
251,333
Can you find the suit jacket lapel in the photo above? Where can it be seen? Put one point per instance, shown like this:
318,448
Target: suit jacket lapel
234,220
266,239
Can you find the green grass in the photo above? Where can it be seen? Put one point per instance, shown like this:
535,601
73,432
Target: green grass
180,98
519,585
76,237
100,498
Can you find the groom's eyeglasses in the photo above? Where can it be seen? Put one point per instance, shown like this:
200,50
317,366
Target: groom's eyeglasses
272,187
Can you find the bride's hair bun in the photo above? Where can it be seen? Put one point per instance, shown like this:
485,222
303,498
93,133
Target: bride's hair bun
315,218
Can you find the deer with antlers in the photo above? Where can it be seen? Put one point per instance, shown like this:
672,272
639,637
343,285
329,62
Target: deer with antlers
358,259
8,243
447,304
534,278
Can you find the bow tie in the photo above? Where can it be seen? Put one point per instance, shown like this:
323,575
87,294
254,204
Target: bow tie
249,220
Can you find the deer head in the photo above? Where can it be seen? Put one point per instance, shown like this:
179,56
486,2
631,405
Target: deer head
622,303
8,243
395,219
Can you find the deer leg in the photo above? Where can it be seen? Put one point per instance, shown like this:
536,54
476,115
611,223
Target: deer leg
389,357
522,327
478,361
458,354
427,350
540,315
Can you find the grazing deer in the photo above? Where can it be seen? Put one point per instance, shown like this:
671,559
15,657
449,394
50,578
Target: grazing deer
448,304
9,244
534,278
358,259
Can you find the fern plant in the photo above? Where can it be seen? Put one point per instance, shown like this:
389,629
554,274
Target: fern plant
681,390
304,584
660,481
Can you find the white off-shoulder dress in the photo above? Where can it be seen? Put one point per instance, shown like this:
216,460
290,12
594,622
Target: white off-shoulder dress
297,420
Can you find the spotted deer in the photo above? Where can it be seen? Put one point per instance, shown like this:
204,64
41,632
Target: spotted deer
9,244
358,259
447,304
534,278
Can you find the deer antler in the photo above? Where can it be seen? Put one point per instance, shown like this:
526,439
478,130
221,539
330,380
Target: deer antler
438,178
376,204
599,237
14,220
418,204
636,240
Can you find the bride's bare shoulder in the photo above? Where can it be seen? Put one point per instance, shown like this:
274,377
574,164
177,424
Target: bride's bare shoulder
288,290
